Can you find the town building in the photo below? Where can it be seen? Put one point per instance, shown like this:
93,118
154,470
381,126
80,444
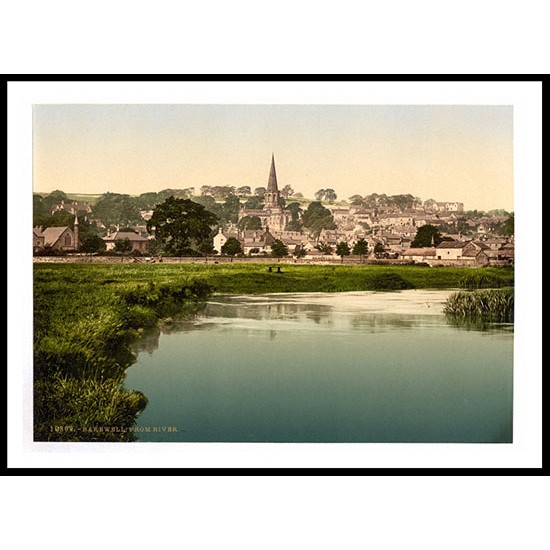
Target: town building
450,250
56,238
73,207
137,241
419,254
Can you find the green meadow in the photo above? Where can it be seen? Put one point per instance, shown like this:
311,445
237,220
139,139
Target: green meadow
86,316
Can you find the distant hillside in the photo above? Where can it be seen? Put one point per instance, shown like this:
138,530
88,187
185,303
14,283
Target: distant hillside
79,197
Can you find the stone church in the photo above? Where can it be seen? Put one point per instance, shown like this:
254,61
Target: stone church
272,216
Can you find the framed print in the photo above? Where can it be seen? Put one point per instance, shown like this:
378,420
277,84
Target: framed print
250,274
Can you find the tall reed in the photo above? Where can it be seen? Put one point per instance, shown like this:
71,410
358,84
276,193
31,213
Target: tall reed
493,305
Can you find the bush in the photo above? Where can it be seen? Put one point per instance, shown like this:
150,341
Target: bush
388,281
164,300
140,317
48,251
68,409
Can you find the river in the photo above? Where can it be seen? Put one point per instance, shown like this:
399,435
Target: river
318,367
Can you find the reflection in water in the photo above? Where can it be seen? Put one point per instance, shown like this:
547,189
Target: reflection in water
372,367
148,342
477,324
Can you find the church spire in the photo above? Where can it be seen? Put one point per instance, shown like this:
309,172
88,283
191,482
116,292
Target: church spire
75,231
272,182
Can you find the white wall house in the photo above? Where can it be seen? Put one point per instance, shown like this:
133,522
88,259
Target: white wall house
449,250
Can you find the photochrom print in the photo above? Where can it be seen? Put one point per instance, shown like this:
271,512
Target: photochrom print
273,273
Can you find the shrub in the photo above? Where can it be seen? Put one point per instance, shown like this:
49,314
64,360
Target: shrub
48,251
140,317
68,409
388,281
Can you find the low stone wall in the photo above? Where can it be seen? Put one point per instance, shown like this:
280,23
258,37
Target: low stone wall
321,260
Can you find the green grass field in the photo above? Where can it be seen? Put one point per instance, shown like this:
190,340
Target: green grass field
86,316
239,278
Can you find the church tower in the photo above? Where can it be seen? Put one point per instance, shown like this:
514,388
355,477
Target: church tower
272,194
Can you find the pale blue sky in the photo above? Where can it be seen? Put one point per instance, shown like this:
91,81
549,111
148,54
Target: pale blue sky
462,153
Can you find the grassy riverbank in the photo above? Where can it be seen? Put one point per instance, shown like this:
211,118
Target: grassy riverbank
238,278
86,316
83,328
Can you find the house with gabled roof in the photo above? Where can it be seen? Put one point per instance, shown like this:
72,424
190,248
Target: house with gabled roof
72,207
221,238
260,239
56,238
38,238
419,254
450,250
137,241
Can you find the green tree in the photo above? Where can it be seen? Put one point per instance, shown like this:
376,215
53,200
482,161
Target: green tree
299,252
360,248
356,200
244,190
279,249
507,227
148,201
319,195
231,247
325,248
403,202
93,243
86,228
287,191
254,203
222,191
61,218
114,208
343,249
153,247
231,208
427,235
260,191
498,212
211,205
123,245
182,226
330,195
295,224
39,210
316,218
250,223
55,197
379,248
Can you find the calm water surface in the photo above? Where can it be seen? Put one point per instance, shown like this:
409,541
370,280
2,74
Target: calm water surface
343,367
